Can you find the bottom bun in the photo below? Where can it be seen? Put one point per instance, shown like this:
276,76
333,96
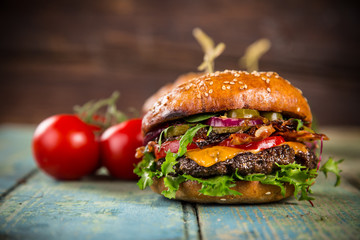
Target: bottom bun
252,192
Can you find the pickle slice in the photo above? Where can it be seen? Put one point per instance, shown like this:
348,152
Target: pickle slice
272,116
242,113
220,130
177,130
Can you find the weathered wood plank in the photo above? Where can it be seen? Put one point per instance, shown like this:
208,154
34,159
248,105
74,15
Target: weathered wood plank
44,208
15,154
336,215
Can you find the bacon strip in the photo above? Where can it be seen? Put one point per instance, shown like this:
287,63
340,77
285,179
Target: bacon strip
260,134
302,136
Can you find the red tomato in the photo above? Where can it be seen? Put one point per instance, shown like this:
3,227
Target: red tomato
173,146
118,147
65,147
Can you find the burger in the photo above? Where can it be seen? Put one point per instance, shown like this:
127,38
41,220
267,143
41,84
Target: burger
230,137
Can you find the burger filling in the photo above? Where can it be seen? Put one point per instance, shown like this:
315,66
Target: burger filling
217,149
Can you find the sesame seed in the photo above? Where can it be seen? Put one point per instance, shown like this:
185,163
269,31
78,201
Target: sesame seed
211,83
269,74
298,109
222,199
198,96
234,79
267,193
223,87
206,94
210,91
217,73
240,82
228,87
243,87
255,73
232,83
268,89
288,81
299,90
268,80
226,81
263,78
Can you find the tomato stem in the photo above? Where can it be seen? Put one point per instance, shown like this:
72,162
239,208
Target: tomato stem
92,112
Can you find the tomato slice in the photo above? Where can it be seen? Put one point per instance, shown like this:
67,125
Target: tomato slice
173,146
257,145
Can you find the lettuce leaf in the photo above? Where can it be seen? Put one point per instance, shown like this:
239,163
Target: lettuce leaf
172,184
146,170
216,186
297,175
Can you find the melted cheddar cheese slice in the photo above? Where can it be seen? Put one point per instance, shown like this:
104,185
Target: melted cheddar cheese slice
209,156
296,146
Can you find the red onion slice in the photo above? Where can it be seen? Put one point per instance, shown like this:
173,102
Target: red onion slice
231,122
152,135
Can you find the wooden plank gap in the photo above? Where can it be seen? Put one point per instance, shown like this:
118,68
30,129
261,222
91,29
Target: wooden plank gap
191,224
18,183
195,208
185,218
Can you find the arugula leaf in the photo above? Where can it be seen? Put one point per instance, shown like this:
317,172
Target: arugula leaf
300,124
216,186
163,132
187,138
199,117
209,131
332,166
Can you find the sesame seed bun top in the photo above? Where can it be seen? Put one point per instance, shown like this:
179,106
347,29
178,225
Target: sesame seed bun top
222,91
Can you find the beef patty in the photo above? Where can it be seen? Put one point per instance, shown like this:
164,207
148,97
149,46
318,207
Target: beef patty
246,163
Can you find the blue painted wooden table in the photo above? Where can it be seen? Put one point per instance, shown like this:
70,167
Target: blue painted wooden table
34,206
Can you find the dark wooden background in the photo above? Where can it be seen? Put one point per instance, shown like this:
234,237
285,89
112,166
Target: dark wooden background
55,54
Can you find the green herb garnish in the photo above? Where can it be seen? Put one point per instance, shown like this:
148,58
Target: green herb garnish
332,166
300,124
